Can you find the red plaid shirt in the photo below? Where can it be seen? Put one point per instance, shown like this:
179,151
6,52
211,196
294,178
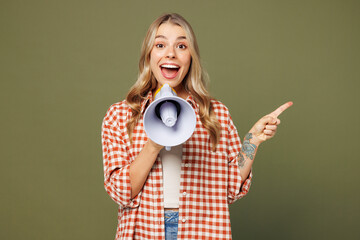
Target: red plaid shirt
209,180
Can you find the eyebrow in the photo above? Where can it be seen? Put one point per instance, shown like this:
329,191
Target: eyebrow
178,38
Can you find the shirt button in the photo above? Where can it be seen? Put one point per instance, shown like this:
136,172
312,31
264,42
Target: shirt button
184,193
183,220
187,165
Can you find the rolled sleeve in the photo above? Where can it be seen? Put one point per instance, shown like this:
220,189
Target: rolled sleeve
116,162
119,188
237,187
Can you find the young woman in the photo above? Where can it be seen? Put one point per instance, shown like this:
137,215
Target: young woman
184,193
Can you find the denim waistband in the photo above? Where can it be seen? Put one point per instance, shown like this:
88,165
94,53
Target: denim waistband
171,216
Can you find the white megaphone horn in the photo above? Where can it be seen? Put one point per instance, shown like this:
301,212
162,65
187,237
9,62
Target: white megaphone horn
169,120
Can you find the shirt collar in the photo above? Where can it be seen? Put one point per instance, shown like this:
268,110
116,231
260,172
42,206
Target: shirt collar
149,98
190,99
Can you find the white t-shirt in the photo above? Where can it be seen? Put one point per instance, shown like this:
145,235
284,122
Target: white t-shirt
171,162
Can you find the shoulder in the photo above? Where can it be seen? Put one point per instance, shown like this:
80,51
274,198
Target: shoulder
219,107
221,111
117,113
223,115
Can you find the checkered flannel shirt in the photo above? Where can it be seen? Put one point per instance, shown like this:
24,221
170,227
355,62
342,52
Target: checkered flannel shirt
210,180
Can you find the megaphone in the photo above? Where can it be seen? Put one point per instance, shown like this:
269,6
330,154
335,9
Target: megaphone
169,120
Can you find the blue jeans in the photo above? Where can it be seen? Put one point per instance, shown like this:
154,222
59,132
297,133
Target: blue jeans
171,224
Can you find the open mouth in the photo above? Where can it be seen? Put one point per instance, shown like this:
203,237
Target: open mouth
169,71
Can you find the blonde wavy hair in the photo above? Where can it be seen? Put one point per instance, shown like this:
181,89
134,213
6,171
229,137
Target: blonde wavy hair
195,82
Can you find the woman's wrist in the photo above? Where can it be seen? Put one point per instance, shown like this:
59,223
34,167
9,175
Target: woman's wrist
153,147
253,139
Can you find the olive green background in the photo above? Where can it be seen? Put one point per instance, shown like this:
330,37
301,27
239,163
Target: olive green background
63,63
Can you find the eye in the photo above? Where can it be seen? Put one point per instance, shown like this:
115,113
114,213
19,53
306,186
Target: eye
159,45
182,46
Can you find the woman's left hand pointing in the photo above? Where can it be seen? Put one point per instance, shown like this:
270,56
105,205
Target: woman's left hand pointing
266,127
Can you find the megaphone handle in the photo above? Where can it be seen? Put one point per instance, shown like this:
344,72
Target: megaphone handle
167,148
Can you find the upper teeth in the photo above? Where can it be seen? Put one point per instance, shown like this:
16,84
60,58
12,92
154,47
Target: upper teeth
169,66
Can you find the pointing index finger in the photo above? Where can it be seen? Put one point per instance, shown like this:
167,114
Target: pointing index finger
281,109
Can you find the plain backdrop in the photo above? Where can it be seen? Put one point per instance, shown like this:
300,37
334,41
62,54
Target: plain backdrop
63,63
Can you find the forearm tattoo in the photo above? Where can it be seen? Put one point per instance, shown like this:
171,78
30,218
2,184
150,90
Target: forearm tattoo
247,149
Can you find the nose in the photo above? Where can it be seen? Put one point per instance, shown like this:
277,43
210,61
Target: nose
170,53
